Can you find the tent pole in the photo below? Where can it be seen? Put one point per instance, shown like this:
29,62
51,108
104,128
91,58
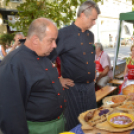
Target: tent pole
117,47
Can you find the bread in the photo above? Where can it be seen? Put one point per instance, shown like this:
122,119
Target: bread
89,115
118,99
128,89
127,106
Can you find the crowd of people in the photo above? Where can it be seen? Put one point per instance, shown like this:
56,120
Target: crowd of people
34,98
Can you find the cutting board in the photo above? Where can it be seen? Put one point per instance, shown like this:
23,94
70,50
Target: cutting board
107,127
103,128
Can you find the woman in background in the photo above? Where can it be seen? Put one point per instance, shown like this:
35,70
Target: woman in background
129,71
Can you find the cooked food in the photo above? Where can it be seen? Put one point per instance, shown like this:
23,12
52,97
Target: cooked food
97,115
128,105
130,97
128,89
103,117
92,123
104,111
118,99
89,115
116,105
121,120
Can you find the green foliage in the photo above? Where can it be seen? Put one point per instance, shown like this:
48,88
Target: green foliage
132,8
6,39
129,60
60,11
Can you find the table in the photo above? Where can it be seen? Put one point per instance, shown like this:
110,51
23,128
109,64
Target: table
120,76
116,81
100,94
78,130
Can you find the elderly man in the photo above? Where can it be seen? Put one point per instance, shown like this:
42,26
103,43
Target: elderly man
76,51
31,96
103,66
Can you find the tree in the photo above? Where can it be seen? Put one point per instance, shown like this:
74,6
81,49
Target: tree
5,39
60,11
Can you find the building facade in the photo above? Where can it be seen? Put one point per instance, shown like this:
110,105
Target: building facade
106,28
7,12
107,23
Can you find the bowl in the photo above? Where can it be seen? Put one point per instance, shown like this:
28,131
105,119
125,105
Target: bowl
120,115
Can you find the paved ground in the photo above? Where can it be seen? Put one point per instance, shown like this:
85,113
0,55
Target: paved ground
123,51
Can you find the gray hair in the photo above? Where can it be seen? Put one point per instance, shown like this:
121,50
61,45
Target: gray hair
99,45
86,9
20,33
38,27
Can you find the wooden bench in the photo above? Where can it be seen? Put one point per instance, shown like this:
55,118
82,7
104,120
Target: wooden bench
116,81
120,76
100,94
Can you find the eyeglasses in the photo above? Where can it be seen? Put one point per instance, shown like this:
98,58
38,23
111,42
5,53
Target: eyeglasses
87,8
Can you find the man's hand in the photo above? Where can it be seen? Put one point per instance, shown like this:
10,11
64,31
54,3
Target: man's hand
66,82
16,43
102,74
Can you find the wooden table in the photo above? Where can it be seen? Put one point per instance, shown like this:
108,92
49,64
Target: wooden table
116,81
119,76
100,94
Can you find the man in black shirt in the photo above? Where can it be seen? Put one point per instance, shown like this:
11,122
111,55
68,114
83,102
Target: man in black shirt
75,47
31,96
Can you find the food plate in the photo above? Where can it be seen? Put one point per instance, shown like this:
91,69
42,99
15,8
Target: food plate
102,126
113,101
99,115
120,120
128,106
107,127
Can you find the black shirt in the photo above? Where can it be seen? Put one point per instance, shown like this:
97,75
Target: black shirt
29,90
77,54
